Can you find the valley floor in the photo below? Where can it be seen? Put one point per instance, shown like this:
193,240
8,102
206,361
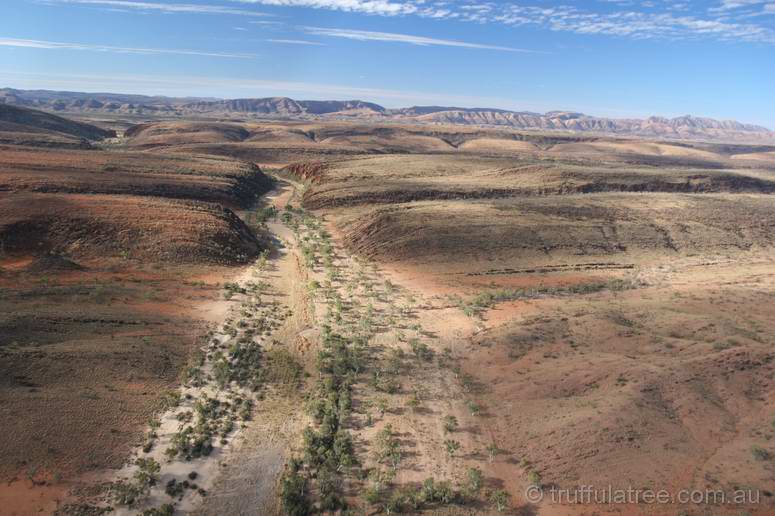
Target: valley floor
413,320
662,385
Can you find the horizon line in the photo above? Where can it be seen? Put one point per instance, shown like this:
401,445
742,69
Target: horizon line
354,99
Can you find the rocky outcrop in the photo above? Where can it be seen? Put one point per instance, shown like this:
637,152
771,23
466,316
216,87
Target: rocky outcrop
283,106
680,127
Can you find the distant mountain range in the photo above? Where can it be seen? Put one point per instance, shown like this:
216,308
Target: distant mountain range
684,127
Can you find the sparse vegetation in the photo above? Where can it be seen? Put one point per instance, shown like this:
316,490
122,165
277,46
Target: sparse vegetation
392,364
488,299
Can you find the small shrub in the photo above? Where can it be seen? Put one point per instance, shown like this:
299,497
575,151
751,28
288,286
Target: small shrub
421,350
450,424
492,451
760,453
452,446
413,402
500,499
475,478
174,489
126,493
148,472
388,449
164,510
372,495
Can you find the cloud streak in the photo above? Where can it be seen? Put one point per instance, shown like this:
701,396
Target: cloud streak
55,45
745,8
364,35
169,8
636,20
378,7
296,42
726,20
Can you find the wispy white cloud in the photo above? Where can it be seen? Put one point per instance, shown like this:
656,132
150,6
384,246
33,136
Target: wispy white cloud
55,45
296,42
726,5
623,18
170,8
635,24
379,7
726,20
745,8
364,35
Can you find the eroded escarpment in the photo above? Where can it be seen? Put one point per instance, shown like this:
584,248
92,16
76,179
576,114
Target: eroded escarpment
531,232
211,179
353,187
91,226
106,261
307,171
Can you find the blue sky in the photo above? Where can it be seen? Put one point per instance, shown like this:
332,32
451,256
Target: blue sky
619,58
